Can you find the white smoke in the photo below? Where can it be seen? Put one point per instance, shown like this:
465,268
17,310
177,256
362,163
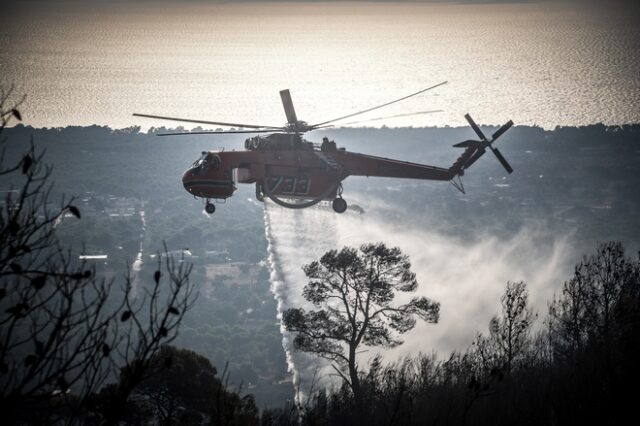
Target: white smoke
466,275
467,278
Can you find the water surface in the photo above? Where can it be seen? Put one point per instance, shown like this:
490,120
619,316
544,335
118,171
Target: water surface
543,64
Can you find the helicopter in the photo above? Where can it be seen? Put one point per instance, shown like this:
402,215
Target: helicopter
296,173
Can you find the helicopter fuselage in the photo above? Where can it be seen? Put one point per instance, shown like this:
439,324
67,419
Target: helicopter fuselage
286,166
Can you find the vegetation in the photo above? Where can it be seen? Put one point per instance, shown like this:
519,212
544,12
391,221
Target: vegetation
574,365
183,388
125,171
65,330
355,289
579,368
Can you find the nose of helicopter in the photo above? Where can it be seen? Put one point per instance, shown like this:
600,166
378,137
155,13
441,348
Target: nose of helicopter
187,177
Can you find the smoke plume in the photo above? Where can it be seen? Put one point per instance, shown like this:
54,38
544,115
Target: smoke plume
467,275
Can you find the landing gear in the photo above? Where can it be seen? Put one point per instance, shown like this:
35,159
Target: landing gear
209,208
339,205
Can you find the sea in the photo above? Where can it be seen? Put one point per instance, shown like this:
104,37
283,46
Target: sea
537,63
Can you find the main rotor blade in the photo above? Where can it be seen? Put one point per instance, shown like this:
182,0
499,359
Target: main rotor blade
217,123
379,106
502,160
475,127
213,132
311,129
409,114
501,130
287,103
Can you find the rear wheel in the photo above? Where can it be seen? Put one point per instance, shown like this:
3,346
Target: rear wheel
210,208
339,205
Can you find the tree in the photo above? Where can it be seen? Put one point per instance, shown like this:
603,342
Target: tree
587,310
594,334
510,333
354,289
64,331
183,387
501,351
569,316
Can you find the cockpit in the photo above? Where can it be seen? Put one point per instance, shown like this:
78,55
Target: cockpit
207,161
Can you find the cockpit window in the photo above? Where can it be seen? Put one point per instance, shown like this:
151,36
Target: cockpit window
201,164
205,162
215,162
201,161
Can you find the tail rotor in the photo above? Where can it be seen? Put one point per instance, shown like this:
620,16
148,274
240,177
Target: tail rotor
484,143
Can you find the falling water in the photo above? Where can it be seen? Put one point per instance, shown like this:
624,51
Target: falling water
297,237
137,264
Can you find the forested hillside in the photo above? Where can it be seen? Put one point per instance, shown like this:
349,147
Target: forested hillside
126,184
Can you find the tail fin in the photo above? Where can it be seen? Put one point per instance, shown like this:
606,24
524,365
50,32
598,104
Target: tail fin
471,149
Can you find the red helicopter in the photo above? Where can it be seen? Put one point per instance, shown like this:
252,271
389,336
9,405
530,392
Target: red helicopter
296,173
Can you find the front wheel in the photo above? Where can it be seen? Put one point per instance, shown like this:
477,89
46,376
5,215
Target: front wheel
210,208
339,205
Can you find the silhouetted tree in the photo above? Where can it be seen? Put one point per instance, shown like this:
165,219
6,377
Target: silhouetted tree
510,331
568,316
594,332
355,289
587,307
181,381
183,387
64,330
